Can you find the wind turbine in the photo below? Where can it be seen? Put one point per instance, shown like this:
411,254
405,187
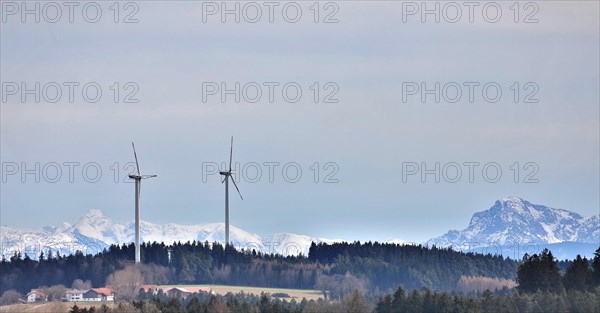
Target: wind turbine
226,181
138,183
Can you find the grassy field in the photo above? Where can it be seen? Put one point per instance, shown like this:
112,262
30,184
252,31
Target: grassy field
297,294
58,307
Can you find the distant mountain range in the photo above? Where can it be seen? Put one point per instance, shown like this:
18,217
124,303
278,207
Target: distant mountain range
94,232
512,226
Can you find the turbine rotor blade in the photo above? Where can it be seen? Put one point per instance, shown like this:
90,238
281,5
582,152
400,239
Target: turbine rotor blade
224,178
148,176
231,154
137,165
236,187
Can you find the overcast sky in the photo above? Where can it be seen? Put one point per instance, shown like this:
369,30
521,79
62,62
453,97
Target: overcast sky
363,144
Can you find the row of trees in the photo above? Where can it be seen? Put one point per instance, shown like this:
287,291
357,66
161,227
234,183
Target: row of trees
338,268
357,302
200,303
488,302
541,272
541,285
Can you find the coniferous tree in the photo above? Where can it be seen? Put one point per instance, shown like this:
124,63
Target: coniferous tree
596,268
385,305
398,302
414,302
173,306
75,309
488,301
578,276
553,282
539,272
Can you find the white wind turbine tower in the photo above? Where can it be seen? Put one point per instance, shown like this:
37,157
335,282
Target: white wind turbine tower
226,181
138,182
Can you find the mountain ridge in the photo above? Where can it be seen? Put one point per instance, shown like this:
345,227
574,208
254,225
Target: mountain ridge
510,222
515,222
94,231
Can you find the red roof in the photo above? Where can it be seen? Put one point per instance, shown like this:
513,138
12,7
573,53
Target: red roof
38,292
178,289
104,291
190,289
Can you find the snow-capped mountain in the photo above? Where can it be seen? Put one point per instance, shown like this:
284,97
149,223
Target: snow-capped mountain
589,230
94,232
512,226
94,224
514,222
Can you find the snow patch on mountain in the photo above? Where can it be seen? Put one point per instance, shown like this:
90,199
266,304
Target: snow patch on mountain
514,221
291,244
398,242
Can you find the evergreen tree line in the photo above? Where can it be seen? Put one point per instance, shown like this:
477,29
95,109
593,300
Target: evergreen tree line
542,288
541,273
338,268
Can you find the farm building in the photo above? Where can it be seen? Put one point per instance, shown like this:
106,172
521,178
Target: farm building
99,294
74,295
36,295
90,295
185,292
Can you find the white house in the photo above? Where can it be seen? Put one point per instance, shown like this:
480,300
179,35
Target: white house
74,295
36,295
90,295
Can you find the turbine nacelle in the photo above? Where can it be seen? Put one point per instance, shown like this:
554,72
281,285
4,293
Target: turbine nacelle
133,176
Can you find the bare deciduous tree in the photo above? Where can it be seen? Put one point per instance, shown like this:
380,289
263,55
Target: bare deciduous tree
337,286
81,285
55,292
482,283
154,274
10,296
126,283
